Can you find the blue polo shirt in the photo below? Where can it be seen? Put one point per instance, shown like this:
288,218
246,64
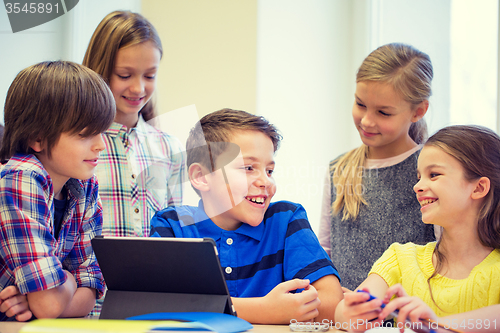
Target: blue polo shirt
254,259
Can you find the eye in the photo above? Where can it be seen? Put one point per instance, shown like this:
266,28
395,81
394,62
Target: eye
123,77
248,168
270,172
361,105
384,113
150,77
434,174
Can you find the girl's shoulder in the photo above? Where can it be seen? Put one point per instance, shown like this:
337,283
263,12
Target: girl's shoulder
493,259
412,249
408,158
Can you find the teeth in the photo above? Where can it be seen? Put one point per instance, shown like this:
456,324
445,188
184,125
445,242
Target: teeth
259,200
133,99
427,201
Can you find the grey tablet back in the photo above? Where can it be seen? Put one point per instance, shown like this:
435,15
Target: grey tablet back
147,275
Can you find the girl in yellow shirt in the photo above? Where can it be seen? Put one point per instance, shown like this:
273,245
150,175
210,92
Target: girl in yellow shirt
455,280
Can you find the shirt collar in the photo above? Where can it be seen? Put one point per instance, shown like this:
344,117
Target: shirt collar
115,129
140,129
32,163
207,227
75,188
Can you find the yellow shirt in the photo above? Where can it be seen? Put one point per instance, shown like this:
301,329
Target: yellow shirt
411,265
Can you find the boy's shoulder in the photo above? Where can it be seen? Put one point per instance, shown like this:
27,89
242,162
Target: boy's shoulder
277,211
283,208
23,163
28,164
176,213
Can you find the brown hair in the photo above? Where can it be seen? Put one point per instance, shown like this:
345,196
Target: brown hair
117,30
410,73
214,131
478,151
51,98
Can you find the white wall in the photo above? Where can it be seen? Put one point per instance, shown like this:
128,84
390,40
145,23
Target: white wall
306,68
26,48
64,38
426,25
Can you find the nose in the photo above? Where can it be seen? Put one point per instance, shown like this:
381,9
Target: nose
137,86
366,120
99,143
419,186
263,180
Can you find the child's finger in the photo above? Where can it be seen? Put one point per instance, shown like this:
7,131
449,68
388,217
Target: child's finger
9,303
395,304
310,308
345,290
397,290
294,285
8,292
371,309
355,298
309,295
17,306
309,316
24,316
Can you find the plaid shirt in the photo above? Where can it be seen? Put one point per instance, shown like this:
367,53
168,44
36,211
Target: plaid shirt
30,257
140,172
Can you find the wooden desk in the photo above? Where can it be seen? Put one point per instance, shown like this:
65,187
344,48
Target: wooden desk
14,327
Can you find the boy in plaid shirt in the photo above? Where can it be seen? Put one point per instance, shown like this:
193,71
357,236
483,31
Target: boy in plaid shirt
54,114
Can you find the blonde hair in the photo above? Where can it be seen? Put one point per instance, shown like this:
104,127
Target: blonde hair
410,73
117,30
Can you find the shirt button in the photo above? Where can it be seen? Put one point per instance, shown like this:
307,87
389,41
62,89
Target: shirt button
229,241
229,270
136,210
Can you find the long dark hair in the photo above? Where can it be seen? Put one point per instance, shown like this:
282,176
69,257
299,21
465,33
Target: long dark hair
478,151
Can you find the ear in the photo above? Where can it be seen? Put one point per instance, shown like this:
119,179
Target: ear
420,111
36,145
198,177
482,188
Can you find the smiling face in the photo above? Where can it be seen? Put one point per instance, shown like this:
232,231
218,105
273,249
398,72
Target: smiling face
133,80
445,195
383,119
73,156
241,191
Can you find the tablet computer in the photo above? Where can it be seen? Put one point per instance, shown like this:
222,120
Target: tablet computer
148,275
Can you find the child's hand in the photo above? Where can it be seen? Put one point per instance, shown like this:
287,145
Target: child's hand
358,311
13,303
412,308
285,306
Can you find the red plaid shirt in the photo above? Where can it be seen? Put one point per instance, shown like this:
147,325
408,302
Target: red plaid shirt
30,257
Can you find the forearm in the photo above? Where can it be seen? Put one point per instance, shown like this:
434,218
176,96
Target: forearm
52,302
252,309
339,313
486,319
330,294
81,304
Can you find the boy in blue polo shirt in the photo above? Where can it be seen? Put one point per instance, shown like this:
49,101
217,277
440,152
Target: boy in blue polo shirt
267,250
